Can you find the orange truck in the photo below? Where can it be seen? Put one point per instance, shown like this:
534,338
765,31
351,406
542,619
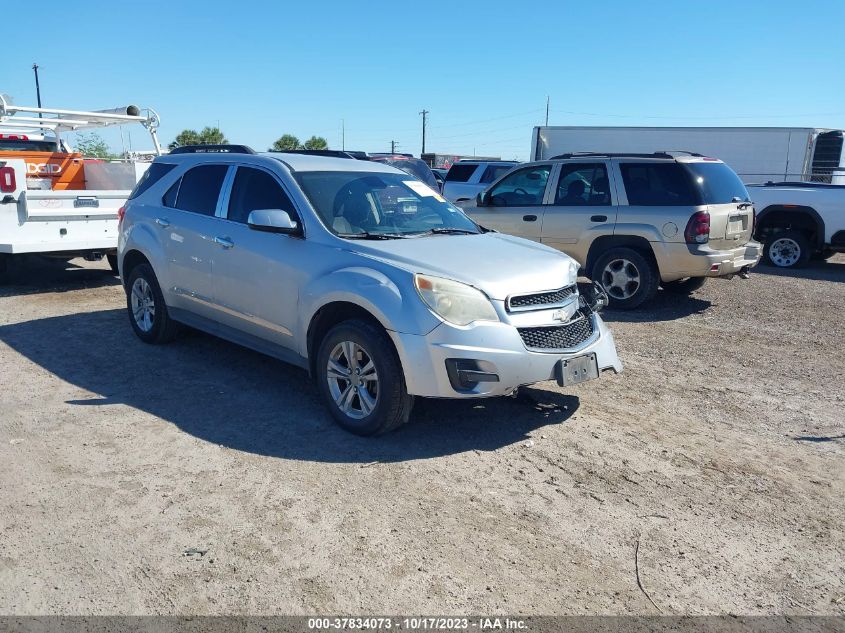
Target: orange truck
53,200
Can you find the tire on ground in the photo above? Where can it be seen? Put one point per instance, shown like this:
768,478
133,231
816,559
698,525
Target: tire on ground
774,255
163,328
684,286
647,279
393,404
112,260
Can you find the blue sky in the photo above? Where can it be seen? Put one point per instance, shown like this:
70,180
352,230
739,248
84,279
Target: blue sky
482,69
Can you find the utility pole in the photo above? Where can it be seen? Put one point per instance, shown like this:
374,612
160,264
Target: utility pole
343,134
37,87
424,115
392,147
547,110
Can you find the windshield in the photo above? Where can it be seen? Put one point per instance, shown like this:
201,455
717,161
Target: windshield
378,205
718,183
17,145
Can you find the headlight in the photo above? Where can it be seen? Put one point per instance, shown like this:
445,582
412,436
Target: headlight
453,301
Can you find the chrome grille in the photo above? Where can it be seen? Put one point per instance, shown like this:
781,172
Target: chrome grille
540,299
559,337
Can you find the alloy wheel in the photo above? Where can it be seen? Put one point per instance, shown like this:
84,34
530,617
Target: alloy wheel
353,380
785,252
621,279
143,304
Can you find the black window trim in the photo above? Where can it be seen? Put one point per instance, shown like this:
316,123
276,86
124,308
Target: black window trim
542,202
228,183
607,168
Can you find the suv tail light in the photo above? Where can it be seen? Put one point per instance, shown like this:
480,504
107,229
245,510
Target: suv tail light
8,184
120,213
698,228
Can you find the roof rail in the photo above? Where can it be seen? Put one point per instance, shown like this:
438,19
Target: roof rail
333,153
667,154
212,149
672,152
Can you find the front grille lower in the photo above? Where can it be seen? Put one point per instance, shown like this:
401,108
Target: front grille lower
541,299
559,337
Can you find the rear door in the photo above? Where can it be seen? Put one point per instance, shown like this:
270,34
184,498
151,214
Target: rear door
189,223
514,205
582,206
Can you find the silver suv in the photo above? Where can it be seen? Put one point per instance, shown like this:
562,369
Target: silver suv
357,272
467,178
632,221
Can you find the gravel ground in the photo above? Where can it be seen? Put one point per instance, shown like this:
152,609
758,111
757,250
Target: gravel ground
203,478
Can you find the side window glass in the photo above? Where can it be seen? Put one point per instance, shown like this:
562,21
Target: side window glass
256,189
460,172
169,199
521,188
582,185
154,173
494,172
659,185
201,188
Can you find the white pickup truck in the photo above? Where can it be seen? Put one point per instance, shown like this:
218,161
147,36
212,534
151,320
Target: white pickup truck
54,202
799,220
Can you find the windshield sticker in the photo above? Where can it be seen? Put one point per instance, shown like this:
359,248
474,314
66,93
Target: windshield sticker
419,188
439,198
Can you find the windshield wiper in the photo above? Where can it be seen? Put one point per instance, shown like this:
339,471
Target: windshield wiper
371,236
448,231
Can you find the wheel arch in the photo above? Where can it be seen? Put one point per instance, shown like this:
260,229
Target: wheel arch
606,242
798,217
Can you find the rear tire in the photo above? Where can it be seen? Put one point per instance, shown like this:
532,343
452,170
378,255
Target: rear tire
147,310
360,378
629,277
787,249
684,286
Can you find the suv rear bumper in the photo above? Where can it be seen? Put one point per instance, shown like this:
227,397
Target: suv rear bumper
680,260
501,351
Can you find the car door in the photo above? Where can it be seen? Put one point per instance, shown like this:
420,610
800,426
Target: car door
257,274
582,206
459,184
514,205
189,222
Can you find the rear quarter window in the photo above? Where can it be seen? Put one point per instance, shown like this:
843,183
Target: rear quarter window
658,185
460,172
717,183
154,173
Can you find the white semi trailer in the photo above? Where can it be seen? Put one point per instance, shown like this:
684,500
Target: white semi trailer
757,154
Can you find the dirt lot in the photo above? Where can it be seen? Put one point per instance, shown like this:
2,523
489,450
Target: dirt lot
713,468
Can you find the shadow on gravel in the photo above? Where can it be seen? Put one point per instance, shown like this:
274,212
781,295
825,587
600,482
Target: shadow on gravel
818,270
228,395
665,306
818,438
32,274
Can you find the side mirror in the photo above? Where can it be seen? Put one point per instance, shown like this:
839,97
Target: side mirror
273,221
479,199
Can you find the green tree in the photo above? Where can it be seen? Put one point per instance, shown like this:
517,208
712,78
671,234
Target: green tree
285,142
208,136
316,142
93,145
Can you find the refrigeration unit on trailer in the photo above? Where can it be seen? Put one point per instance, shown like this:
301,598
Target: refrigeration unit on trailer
57,202
757,154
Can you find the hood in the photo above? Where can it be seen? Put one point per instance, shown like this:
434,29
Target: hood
499,265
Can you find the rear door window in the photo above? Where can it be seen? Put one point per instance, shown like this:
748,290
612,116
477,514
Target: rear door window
460,172
200,189
584,184
717,183
524,187
255,189
658,185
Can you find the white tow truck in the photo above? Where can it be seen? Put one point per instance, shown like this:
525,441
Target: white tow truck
56,202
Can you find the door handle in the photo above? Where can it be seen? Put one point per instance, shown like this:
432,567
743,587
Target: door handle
225,242
162,222
529,218
598,218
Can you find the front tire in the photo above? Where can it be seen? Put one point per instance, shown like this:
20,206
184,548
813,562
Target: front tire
148,313
628,276
360,378
787,249
684,286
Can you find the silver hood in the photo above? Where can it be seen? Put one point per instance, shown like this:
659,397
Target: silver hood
499,265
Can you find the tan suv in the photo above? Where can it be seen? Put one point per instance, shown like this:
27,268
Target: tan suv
632,221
